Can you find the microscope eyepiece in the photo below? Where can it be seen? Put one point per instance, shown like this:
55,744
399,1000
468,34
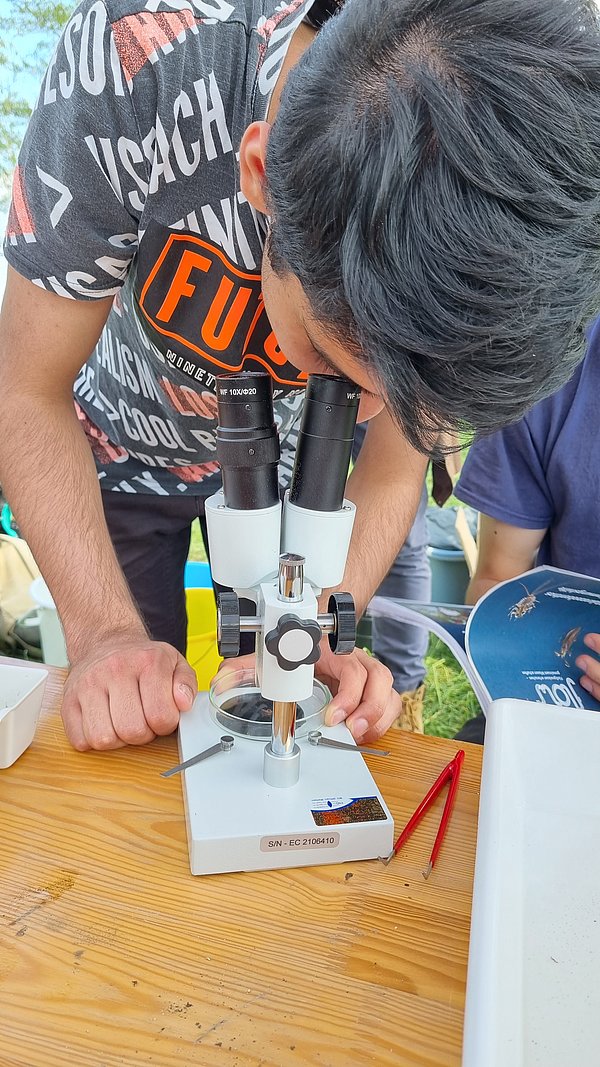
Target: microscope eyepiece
247,441
324,444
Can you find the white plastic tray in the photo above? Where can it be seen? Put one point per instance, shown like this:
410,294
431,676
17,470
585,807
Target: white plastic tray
533,988
21,694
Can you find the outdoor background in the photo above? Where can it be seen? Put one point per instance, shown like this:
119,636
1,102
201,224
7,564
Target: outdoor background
28,31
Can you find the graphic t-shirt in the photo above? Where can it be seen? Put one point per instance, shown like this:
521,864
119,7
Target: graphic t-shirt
128,185
543,472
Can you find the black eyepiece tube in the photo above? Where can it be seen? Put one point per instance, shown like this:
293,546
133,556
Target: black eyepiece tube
247,441
325,443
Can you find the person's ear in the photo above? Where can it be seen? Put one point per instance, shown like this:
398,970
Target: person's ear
253,151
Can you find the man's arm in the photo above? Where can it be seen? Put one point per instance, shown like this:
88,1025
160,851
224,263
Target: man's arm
503,552
386,486
47,468
48,474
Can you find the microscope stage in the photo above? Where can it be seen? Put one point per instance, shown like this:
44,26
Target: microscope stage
235,822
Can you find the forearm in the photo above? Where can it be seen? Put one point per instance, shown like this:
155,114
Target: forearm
477,587
386,487
504,551
383,521
48,474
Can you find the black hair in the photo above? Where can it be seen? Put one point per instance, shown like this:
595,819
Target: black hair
433,177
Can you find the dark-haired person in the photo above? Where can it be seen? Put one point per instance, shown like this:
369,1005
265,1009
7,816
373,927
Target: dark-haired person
423,179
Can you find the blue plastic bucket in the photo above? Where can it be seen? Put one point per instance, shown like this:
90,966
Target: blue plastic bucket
449,575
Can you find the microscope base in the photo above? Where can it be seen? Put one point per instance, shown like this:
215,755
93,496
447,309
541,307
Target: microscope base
236,822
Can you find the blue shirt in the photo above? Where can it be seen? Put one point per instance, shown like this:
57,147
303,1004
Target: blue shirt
543,472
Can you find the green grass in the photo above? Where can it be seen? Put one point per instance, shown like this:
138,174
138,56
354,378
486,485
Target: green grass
197,551
449,699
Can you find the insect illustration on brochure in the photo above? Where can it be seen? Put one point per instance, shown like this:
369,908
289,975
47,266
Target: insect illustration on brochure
526,603
567,642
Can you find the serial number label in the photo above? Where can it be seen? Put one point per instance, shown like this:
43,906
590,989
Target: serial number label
290,842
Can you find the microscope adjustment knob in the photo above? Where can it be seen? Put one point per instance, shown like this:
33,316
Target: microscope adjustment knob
343,640
228,625
294,642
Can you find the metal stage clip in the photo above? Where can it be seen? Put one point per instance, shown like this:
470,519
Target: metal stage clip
316,738
225,745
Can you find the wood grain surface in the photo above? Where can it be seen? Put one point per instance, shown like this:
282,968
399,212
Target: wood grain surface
112,953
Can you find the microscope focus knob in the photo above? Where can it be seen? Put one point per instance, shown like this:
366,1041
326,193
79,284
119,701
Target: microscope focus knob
228,625
294,642
343,640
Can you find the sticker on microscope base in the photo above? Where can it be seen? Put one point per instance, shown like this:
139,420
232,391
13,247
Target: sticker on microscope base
337,810
293,842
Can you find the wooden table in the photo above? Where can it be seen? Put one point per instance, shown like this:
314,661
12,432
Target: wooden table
111,953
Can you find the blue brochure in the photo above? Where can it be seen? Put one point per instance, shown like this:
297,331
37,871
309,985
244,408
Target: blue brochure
521,640
524,636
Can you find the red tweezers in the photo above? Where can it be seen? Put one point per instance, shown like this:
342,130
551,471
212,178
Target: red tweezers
450,773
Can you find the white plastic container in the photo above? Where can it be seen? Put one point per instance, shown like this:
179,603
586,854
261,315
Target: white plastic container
533,997
21,693
54,650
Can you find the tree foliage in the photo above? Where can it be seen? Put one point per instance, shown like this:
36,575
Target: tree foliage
28,32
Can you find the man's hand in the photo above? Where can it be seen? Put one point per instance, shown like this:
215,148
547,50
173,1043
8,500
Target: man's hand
590,666
363,697
128,691
361,686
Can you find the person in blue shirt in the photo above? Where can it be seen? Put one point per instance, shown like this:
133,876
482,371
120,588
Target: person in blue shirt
536,484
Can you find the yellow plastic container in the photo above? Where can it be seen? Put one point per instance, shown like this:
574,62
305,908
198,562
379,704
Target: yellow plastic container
202,652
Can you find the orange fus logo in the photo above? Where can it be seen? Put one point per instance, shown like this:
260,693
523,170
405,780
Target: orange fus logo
205,305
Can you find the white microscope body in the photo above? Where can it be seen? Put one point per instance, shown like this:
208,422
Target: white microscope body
305,797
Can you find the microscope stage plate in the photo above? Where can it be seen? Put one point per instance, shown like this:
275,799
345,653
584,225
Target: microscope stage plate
236,822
